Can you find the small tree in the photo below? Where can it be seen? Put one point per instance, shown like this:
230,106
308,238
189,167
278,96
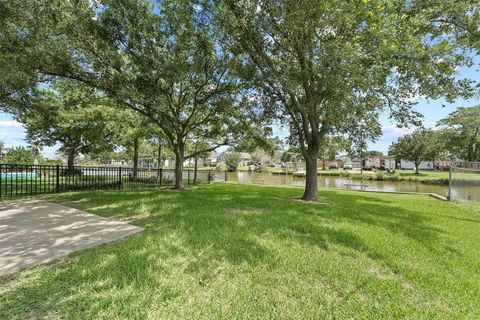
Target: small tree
332,147
232,160
462,131
421,145
130,130
2,151
68,114
18,155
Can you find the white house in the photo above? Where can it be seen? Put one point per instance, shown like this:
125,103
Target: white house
355,163
409,165
373,162
390,163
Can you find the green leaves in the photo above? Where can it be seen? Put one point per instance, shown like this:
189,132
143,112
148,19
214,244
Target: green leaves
419,146
462,131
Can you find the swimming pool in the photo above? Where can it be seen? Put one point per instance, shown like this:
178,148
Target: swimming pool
21,175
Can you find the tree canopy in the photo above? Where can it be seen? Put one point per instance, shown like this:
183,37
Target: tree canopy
462,131
68,114
421,145
325,67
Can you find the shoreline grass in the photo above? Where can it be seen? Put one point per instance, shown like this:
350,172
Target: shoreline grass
235,251
425,176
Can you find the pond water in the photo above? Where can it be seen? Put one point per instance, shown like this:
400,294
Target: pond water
341,182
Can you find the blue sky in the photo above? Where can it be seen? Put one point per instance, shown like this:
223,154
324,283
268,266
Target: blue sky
13,134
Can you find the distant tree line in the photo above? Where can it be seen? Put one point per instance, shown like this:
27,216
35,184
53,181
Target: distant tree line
457,135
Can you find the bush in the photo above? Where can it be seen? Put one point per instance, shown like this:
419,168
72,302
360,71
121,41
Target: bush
262,168
221,167
71,172
232,160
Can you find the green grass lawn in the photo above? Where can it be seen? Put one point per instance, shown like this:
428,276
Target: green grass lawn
227,251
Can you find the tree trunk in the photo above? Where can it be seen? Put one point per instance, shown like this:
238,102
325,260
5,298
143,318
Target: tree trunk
311,184
472,150
323,164
195,171
71,160
179,158
135,157
159,160
417,164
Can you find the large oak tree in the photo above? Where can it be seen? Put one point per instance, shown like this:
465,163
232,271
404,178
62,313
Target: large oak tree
161,59
328,67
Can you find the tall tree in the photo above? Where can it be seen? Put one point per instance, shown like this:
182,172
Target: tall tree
64,113
324,66
462,130
332,147
131,130
193,147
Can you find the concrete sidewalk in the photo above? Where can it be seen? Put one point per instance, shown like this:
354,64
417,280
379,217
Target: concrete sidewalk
33,232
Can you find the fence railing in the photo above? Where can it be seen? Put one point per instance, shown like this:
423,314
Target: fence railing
457,164
18,179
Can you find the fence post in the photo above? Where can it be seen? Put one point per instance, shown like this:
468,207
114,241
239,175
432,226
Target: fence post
450,184
119,177
188,173
209,176
58,178
161,175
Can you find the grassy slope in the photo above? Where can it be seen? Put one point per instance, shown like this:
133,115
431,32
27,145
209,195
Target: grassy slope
236,251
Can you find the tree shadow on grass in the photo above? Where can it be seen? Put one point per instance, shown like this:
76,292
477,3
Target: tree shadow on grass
193,233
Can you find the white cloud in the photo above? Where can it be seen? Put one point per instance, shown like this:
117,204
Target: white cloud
12,133
280,131
10,124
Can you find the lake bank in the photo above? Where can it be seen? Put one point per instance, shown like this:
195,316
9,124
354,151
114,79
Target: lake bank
429,177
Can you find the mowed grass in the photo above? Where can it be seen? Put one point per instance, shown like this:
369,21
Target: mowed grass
230,251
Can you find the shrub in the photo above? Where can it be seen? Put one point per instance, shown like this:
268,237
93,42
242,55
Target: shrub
221,167
71,172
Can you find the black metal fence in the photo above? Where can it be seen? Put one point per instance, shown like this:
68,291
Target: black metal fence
17,179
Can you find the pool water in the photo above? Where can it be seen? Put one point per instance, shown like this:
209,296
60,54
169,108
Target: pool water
12,175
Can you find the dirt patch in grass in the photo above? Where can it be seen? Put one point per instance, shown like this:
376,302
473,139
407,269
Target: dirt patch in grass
181,190
247,210
319,202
